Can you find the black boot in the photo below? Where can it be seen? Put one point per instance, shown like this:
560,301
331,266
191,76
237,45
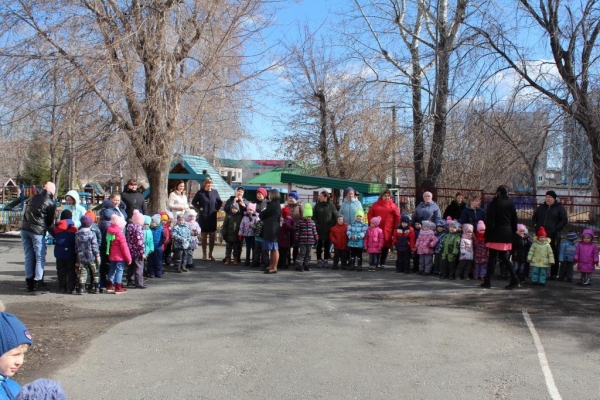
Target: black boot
350,267
41,286
30,285
514,283
359,266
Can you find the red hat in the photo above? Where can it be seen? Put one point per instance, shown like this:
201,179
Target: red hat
262,191
541,232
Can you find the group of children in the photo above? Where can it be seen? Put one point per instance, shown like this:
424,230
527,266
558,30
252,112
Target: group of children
144,245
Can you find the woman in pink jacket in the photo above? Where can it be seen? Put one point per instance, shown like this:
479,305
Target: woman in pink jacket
388,211
118,254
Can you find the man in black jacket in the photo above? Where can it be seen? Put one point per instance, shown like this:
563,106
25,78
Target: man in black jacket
38,217
133,199
553,217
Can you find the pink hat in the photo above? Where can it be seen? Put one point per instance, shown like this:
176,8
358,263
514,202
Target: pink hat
50,188
251,207
376,221
480,226
118,221
137,218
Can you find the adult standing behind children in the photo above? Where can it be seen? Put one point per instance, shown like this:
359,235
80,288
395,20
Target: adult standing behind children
385,208
325,217
133,199
472,213
455,208
427,210
553,217
208,202
37,218
237,198
178,201
270,232
73,204
501,225
350,205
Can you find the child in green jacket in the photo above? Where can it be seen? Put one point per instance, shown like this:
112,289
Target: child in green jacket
540,257
450,251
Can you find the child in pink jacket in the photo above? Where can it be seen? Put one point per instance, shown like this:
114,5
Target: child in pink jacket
425,245
118,254
373,242
586,257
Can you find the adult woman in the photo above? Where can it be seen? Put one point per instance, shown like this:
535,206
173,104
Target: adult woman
207,202
178,201
133,199
270,217
501,225
427,210
350,205
388,211
325,216
455,208
77,210
112,205
472,214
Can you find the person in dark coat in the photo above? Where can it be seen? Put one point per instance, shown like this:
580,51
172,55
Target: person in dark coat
208,203
501,225
325,216
552,216
270,217
472,213
133,199
238,199
38,217
455,208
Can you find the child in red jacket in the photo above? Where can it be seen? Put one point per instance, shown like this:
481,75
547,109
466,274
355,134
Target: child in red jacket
338,236
118,254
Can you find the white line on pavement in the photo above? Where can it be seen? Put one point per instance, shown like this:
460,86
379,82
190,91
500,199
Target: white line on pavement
550,384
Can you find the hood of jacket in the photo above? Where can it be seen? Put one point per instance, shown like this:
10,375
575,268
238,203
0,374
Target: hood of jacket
547,240
75,195
114,229
588,232
65,225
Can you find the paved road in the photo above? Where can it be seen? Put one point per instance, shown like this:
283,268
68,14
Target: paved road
234,333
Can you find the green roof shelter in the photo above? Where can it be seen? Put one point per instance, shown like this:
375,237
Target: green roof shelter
189,167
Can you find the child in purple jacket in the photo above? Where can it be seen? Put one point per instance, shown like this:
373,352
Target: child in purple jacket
137,248
586,257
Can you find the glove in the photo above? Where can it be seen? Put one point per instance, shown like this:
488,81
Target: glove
240,238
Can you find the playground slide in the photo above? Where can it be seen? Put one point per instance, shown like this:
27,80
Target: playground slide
13,204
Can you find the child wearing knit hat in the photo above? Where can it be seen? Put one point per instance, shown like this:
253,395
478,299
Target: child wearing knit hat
480,252
566,255
88,255
465,259
248,220
520,248
356,234
181,244
65,252
148,241
404,242
190,218
15,340
230,233
373,242
425,245
450,252
137,247
540,257
305,237
118,254
155,259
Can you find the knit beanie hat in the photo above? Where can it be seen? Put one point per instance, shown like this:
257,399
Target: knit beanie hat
137,217
180,216
359,212
262,191
294,195
348,190
521,227
117,220
376,221
308,211
50,188
467,228
86,221
572,236
92,215
156,218
66,214
405,218
454,224
169,214
147,220
587,232
480,226
235,206
164,217
251,207
441,223
12,332
552,194
190,213
340,216
42,389
541,232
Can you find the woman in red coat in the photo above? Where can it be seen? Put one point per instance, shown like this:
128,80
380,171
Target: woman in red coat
390,219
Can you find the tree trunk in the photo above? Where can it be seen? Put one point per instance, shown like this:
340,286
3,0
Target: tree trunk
158,174
419,142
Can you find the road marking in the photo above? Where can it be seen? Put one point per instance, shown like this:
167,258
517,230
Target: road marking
550,384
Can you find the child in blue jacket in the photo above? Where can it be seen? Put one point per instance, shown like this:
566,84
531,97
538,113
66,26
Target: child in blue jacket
65,252
566,256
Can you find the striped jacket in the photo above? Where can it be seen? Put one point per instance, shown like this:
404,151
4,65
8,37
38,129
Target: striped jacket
306,232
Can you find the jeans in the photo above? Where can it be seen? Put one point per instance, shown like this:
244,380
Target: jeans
116,271
34,247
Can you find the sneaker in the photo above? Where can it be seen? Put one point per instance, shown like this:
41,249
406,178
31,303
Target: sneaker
587,282
184,269
79,292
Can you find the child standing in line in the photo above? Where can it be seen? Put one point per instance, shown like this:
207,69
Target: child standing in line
148,242
230,234
305,236
181,244
520,248
190,216
540,257
356,234
481,252
450,252
566,255
586,257
247,233
373,242
137,249
466,252
338,236
167,247
417,230
88,254
425,244
118,254
94,228
155,262
65,252
284,238
15,340
440,234
404,241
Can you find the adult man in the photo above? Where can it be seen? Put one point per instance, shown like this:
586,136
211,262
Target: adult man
38,217
237,198
553,217
133,199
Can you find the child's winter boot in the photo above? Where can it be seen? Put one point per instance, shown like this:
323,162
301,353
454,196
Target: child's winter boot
110,287
119,288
